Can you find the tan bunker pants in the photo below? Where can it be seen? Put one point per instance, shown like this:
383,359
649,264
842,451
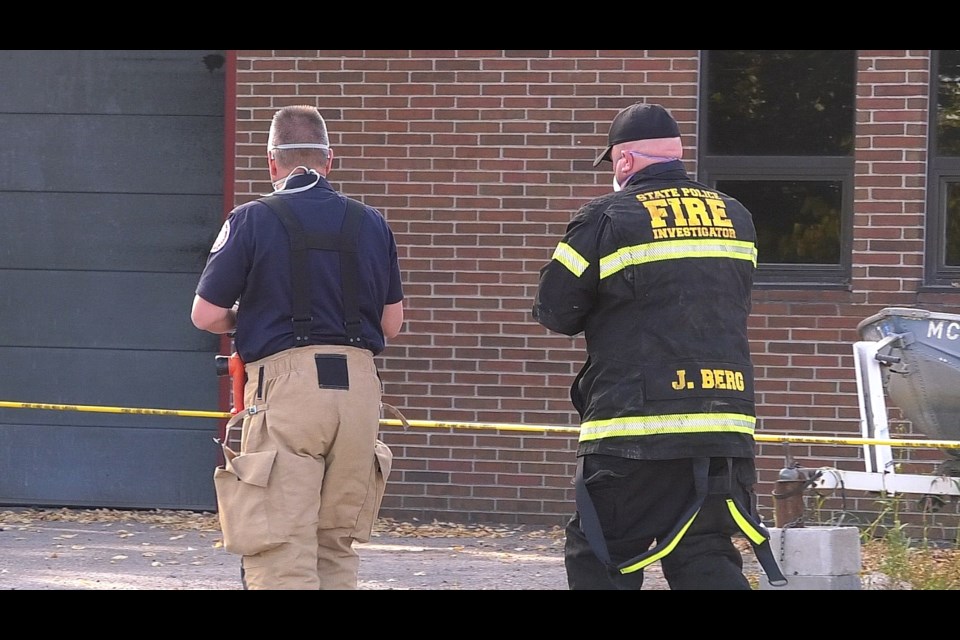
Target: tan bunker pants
310,475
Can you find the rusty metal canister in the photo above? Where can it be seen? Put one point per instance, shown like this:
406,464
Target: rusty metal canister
788,503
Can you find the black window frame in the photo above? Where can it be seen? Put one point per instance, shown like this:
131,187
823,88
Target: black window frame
716,168
942,171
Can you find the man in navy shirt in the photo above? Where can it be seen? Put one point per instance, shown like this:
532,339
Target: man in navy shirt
309,283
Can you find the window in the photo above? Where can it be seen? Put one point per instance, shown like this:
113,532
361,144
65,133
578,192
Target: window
943,191
778,135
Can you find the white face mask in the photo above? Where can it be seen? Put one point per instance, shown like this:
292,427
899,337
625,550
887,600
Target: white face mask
616,185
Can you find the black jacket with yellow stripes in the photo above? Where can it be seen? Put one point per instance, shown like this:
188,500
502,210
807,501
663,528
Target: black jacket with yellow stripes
658,277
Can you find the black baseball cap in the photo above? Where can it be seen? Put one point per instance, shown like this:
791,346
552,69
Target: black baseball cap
639,122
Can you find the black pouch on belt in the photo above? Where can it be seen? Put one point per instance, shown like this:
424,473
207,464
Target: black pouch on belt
332,371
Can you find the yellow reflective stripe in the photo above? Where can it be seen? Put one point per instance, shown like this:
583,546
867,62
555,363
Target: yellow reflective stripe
674,249
678,423
663,552
568,257
745,525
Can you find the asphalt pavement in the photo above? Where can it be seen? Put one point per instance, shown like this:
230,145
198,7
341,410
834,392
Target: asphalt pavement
77,549
105,550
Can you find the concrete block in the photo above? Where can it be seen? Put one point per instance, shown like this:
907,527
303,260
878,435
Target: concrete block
825,558
817,551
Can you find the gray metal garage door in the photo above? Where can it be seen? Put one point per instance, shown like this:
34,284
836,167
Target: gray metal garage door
111,193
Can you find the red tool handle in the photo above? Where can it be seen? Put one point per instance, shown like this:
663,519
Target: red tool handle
238,378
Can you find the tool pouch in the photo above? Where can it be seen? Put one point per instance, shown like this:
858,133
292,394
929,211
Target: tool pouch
242,498
242,504
376,488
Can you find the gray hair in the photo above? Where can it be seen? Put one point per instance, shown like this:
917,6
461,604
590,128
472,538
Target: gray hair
298,136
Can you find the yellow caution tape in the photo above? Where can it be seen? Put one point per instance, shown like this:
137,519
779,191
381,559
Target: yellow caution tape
101,409
928,444
931,444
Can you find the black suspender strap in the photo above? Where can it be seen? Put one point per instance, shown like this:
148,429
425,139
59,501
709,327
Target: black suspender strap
590,523
760,539
701,484
752,527
755,531
589,520
350,270
300,274
345,243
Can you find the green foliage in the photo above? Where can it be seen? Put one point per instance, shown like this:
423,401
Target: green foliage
888,550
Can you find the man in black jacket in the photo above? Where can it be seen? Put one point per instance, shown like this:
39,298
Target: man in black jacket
657,276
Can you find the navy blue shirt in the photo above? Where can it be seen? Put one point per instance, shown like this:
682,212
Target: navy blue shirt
250,262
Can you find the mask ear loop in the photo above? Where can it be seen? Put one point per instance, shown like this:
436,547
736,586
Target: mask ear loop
279,185
649,157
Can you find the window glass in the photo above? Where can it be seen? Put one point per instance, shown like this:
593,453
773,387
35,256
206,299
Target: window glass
778,134
953,224
942,258
784,103
948,103
797,221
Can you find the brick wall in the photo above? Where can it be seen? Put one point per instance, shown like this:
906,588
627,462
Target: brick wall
478,159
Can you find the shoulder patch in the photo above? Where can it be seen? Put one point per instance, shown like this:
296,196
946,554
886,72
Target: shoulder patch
222,237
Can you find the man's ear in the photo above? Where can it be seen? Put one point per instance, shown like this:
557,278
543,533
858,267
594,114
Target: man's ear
272,165
329,162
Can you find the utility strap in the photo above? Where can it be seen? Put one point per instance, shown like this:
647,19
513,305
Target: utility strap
345,243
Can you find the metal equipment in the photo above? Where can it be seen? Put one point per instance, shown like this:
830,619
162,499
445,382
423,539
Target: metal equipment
914,356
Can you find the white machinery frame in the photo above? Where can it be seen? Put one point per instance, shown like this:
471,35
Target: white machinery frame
880,474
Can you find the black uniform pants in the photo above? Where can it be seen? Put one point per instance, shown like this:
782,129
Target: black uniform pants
639,502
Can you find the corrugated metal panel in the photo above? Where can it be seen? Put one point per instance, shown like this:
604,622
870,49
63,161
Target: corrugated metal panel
111,180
